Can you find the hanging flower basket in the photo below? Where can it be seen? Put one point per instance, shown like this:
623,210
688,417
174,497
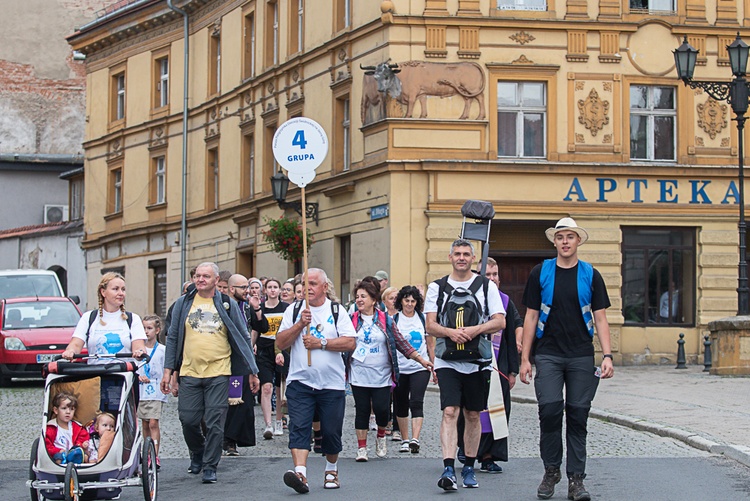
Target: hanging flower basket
285,238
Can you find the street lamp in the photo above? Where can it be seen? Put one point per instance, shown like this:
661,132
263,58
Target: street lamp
279,187
735,93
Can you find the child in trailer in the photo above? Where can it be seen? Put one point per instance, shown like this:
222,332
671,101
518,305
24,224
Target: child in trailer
65,439
151,398
102,434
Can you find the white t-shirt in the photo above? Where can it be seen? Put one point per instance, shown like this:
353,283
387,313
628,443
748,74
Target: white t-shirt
326,371
114,337
413,330
370,364
64,438
494,304
154,370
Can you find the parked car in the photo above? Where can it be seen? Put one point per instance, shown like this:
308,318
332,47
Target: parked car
34,330
29,283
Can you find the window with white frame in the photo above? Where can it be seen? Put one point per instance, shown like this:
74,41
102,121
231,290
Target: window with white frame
163,85
119,96
117,191
521,119
653,124
540,5
160,175
652,5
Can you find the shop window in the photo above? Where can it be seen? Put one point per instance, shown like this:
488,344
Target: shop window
653,124
658,270
540,5
521,119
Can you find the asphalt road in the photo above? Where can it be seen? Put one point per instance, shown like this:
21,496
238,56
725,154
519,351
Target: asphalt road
623,464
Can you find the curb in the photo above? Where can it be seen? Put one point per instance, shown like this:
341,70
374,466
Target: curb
739,453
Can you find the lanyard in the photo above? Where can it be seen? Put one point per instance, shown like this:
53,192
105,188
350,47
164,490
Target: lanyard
147,367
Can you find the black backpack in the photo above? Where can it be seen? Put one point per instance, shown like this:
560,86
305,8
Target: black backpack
462,309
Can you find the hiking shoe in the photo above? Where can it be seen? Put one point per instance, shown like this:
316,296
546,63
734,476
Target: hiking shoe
196,463
268,433
331,480
551,477
491,467
381,447
209,476
296,481
447,480
404,446
414,446
576,490
278,429
232,450
396,436
361,455
469,477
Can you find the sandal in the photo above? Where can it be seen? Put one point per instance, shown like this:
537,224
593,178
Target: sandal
331,480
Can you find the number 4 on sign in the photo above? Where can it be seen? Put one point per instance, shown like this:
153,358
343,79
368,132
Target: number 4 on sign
299,139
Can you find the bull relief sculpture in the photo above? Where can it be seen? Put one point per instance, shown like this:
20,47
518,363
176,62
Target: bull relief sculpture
418,80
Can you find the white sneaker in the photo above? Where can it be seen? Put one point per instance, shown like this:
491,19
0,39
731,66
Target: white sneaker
404,446
373,424
362,455
279,428
381,447
396,436
268,434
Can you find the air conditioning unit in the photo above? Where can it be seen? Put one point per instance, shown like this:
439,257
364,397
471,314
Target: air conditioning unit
55,213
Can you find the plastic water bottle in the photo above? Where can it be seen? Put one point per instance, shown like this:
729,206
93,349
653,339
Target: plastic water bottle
598,372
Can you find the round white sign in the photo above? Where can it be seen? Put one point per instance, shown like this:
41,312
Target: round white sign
301,179
300,145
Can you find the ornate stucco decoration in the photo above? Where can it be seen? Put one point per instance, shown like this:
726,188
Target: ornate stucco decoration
522,59
522,37
712,117
594,113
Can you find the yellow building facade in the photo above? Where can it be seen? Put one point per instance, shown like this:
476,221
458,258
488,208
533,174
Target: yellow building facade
546,108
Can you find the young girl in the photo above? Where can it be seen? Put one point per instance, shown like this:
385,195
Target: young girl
102,436
64,438
152,399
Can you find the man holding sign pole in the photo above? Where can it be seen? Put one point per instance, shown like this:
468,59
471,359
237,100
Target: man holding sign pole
322,333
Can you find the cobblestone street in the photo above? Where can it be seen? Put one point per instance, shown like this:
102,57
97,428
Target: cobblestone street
22,407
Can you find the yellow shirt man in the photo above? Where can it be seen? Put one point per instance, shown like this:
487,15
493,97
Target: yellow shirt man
207,351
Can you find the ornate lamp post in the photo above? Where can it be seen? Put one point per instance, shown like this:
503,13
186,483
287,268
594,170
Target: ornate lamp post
279,187
736,94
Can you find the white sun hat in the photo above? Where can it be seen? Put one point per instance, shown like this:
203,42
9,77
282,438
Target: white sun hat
567,223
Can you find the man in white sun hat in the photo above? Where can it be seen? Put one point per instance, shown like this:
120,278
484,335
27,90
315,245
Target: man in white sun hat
565,299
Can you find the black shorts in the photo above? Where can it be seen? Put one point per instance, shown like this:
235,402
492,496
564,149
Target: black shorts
462,390
265,357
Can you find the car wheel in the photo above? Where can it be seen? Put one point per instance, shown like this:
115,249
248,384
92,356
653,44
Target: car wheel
71,487
4,380
149,472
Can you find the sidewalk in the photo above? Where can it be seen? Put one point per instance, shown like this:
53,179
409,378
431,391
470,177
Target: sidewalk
711,413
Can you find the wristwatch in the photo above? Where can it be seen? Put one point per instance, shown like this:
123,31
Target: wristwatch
607,355
323,344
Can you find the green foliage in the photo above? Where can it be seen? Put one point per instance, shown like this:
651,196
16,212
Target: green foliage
285,238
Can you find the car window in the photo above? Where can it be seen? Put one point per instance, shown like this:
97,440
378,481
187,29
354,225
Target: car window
40,314
12,286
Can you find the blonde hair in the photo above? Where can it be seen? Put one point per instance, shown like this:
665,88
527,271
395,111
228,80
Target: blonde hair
387,292
99,414
103,283
156,319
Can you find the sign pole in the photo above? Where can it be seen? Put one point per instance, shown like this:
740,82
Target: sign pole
304,265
